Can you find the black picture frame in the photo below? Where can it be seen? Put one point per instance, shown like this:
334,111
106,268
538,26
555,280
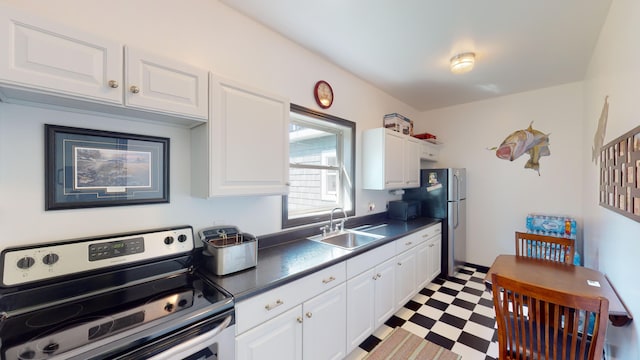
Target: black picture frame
87,168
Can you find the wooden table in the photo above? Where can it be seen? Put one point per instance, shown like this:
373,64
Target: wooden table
561,276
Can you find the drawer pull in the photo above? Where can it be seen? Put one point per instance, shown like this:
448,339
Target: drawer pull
299,319
408,243
270,307
432,245
309,314
399,264
330,279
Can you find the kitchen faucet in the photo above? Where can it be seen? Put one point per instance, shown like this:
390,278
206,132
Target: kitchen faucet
335,227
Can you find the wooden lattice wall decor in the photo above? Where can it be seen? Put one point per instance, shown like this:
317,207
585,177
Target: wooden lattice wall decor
620,175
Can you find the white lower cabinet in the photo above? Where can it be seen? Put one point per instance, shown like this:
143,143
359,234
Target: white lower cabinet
313,330
422,265
405,277
370,302
324,325
434,250
327,314
278,338
304,319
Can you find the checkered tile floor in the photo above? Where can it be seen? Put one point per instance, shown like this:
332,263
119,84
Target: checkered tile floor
455,313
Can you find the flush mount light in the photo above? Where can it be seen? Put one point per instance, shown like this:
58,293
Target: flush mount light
462,63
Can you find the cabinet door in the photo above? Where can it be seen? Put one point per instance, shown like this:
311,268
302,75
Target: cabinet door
412,162
360,308
429,151
248,142
278,338
163,85
434,246
384,299
423,268
405,277
393,160
324,335
44,56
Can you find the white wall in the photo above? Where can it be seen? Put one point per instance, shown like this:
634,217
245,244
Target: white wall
501,193
612,241
204,33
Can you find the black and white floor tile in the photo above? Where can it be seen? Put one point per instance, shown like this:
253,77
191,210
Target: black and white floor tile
455,313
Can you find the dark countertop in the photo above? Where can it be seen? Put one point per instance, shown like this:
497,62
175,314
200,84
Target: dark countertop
291,260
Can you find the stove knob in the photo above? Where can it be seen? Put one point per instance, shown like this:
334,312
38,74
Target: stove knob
50,259
168,240
182,238
26,262
168,307
51,348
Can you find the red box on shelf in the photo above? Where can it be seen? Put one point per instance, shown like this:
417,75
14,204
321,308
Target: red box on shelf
424,136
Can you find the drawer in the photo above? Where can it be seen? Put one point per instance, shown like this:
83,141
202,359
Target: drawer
410,241
370,259
272,303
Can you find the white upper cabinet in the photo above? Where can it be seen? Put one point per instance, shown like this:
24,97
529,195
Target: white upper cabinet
390,160
412,148
244,150
47,63
43,56
429,151
164,85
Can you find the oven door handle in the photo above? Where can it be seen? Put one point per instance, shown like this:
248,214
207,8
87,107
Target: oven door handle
196,341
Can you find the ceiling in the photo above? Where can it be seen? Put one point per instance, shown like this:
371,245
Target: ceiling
403,46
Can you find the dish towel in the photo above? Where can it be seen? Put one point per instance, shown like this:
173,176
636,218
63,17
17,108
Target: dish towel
401,344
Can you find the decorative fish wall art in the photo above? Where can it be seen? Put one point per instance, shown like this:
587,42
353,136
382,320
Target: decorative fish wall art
529,141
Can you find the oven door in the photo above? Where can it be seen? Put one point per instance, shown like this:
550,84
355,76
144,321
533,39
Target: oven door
217,344
211,339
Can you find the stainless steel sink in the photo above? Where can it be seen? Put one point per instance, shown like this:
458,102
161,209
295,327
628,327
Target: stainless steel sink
347,239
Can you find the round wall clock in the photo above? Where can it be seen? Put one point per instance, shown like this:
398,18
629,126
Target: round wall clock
323,94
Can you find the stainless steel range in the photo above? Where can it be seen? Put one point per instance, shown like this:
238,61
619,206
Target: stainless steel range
123,296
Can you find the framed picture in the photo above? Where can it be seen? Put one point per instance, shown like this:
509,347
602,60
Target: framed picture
91,168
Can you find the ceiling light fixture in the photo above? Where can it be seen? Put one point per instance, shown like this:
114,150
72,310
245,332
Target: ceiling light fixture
462,63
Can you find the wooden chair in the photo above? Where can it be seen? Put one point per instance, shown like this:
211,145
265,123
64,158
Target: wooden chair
551,331
545,247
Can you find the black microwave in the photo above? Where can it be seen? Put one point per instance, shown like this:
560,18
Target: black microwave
404,209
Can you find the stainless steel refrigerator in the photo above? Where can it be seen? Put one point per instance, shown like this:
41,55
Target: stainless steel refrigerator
443,195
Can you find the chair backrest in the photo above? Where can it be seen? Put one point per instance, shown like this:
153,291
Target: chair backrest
545,247
540,323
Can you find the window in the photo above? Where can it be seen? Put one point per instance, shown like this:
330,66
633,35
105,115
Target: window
321,167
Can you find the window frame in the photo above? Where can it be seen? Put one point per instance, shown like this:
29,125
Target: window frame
349,169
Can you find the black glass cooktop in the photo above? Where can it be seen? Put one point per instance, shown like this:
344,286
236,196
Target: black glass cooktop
52,319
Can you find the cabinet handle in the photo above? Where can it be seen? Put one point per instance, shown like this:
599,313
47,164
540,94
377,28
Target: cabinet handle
299,319
408,243
432,245
113,84
399,264
330,279
134,89
309,314
270,307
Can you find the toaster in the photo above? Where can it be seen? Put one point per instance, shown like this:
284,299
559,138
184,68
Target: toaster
227,250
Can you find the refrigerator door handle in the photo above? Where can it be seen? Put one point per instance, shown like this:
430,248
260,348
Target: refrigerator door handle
457,222
456,181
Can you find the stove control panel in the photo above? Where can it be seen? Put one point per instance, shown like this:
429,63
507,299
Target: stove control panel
46,261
